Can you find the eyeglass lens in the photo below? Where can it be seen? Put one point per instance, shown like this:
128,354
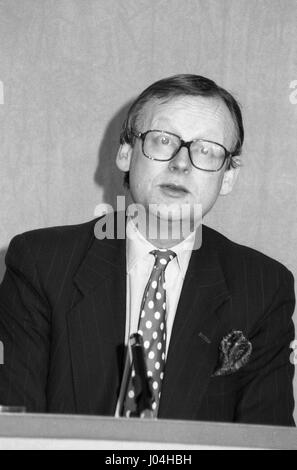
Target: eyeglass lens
162,146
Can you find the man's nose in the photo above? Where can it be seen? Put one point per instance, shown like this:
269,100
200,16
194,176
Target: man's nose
181,161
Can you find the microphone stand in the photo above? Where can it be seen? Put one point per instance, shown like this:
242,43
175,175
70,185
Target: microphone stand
145,395
143,390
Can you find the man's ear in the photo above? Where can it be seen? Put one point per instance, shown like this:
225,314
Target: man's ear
123,158
230,176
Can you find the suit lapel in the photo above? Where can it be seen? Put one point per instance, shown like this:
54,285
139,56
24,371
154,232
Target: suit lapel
96,326
200,323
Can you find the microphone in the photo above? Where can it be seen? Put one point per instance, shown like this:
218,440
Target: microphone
144,394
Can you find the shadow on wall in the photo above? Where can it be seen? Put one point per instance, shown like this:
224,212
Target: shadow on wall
2,262
107,175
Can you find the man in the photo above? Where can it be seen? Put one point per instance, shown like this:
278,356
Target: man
215,320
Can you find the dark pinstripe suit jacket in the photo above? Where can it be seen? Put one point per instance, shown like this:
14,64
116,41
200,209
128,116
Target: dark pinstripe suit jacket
62,322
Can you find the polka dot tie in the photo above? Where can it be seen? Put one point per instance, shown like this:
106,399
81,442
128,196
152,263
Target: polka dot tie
152,328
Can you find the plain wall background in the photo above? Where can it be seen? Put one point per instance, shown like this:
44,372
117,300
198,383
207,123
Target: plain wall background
68,69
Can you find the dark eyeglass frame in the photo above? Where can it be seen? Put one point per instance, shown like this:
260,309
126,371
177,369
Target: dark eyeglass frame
183,143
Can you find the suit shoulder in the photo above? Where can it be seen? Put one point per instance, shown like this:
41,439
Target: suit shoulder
41,245
59,234
234,253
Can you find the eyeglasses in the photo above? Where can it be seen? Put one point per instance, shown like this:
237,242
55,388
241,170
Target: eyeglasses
164,146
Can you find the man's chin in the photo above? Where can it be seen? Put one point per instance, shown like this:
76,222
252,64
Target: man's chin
167,221
178,221
172,213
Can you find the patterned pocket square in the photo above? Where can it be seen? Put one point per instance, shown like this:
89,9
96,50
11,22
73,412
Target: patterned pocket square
235,352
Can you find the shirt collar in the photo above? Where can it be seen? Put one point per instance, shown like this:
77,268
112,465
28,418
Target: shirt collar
139,247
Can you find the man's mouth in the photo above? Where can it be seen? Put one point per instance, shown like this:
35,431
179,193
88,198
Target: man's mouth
174,190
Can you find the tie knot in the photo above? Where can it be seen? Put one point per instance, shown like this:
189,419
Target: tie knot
163,257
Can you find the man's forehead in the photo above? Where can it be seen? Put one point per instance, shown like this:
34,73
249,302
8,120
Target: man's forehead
208,106
193,109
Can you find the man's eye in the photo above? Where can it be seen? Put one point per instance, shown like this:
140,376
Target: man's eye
165,140
204,150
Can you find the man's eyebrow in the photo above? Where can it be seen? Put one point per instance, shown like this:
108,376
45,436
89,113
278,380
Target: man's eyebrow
173,130
163,126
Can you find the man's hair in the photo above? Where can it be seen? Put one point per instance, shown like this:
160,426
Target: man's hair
178,86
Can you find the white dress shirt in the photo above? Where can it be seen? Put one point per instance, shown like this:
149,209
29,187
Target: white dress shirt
139,264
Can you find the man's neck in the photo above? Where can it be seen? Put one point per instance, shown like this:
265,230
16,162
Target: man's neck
163,233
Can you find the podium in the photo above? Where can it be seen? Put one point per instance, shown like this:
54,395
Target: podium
34,431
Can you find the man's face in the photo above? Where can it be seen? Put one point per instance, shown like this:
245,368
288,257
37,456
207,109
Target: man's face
189,117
